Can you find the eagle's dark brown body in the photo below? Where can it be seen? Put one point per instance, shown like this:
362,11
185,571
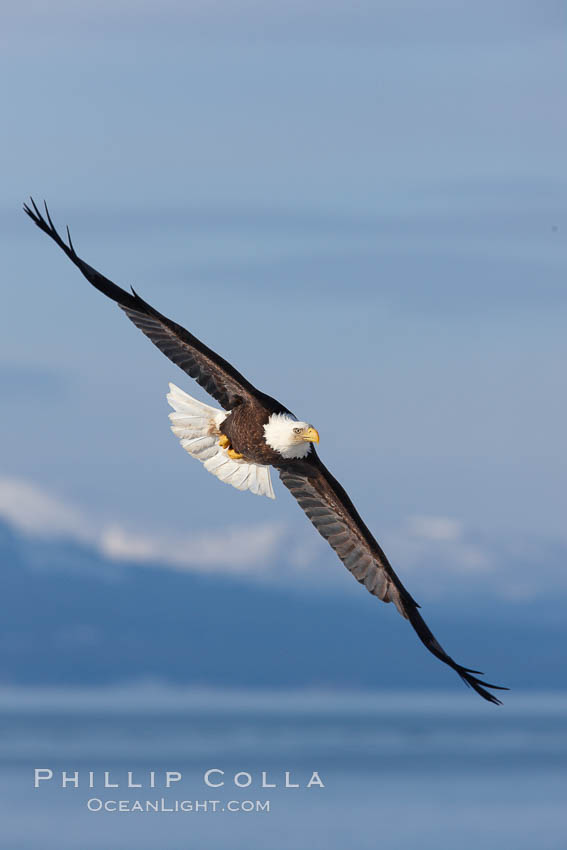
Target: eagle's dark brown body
244,427
322,498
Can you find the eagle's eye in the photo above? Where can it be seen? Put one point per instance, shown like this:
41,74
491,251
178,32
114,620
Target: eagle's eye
297,430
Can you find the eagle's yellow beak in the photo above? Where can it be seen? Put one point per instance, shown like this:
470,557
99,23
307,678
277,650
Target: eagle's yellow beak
311,436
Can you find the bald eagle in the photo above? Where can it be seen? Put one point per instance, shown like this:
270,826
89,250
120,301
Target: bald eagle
254,432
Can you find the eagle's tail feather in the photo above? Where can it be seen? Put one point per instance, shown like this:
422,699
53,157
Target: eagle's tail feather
196,424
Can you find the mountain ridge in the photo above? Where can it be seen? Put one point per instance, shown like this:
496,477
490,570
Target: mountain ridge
70,616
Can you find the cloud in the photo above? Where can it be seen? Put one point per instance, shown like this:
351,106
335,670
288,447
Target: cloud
435,556
441,542
435,528
437,549
34,511
239,549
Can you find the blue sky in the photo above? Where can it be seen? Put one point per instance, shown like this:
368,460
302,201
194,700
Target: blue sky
363,208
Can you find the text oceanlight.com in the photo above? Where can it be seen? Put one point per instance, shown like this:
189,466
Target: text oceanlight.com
95,804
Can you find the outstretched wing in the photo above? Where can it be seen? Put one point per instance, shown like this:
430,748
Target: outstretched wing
334,516
211,371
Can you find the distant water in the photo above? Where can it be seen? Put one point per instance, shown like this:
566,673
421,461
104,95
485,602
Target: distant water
400,771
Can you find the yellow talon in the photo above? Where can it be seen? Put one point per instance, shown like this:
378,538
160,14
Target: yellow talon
224,443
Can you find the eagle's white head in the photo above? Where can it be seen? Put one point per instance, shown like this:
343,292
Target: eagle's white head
291,438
